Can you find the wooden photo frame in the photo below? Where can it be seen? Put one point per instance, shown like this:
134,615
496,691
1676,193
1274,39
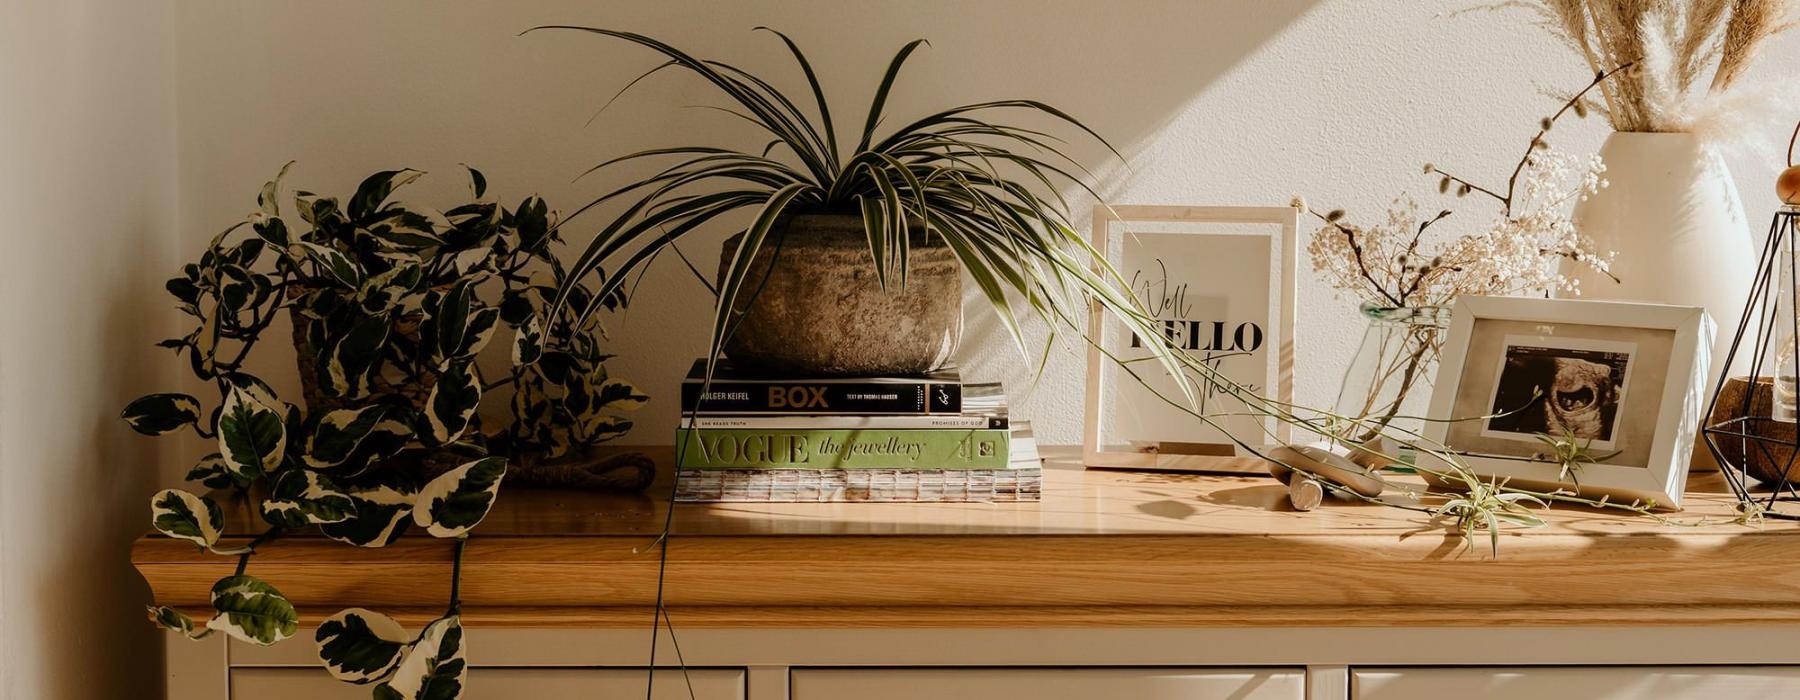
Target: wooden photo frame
1204,269
1627,379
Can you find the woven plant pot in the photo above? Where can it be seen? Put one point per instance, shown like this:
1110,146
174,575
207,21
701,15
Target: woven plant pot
812,305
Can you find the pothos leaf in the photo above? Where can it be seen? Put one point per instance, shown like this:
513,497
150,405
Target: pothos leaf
177,621
252,436
186,516
301,497
618,395
265,200
452,404
434,668
354,357
360,646
456,501
251,610
375,189
480,330
382,515
335,264
340,433
210,471
477,181
160,414
528,343
448,313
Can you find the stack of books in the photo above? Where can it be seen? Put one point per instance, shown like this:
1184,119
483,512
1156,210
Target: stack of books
899,439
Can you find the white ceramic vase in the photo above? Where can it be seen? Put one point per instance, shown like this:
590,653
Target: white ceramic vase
1671,214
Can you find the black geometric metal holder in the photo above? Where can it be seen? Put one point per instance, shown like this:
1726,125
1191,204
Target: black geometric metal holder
1749,430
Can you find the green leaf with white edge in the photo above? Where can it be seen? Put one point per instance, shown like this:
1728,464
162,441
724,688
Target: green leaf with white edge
211,472
354,357
177,621
300,497
161,414
456,501
340,433
376,188
619,395
251,610
187,516
434,668
448,313
528,343
266,199
382,516
339,266
479,332
252,436
477,181
361,646
236,288
452,404
264,394
381,292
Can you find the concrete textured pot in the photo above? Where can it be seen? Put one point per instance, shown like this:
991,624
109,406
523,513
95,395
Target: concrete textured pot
820,312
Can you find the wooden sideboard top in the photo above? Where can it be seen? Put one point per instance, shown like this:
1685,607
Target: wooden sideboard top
1102,548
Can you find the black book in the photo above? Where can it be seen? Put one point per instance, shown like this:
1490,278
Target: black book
733,391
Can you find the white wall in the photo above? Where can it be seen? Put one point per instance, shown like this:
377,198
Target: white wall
87,184
1213,101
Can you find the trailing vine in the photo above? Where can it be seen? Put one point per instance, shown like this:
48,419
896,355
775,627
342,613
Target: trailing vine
388,314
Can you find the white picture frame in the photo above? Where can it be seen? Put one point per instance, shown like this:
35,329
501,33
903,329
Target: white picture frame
1274,229
1630,376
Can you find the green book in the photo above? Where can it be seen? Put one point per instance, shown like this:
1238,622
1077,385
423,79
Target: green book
742,448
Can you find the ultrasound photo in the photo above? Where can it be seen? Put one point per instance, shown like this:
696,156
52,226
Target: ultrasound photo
1559,391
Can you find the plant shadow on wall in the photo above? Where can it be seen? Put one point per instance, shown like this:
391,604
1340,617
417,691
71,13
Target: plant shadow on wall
390,305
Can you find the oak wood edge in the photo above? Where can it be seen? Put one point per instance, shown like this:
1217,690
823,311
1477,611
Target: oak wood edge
1116,617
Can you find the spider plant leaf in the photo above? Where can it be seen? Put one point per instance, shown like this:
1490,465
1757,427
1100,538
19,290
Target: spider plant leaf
984,278
791,127
881,93
874,227
741,260
812,81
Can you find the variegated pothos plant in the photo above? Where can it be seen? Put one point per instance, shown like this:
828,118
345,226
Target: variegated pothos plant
389,314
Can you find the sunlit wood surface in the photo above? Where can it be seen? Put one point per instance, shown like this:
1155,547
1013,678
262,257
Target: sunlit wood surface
1103,548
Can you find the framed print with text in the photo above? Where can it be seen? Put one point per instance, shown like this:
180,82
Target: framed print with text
1220,283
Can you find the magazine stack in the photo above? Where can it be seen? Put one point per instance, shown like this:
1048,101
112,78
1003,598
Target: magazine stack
925,438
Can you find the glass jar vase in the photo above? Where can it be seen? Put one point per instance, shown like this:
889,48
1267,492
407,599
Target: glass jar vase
1387,388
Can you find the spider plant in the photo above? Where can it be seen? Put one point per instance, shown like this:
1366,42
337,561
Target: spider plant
985,187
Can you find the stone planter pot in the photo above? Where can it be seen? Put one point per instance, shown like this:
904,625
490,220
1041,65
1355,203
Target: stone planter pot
820,312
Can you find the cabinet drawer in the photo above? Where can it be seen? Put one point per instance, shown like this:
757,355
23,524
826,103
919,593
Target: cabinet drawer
532,683
1048,683
1577,683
